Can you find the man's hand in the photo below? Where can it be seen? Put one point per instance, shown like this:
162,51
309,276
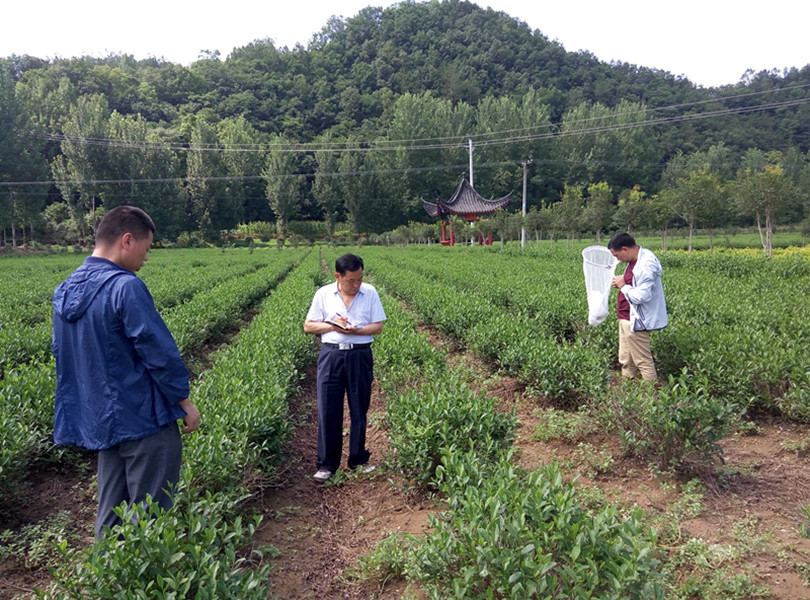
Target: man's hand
192,418
618,281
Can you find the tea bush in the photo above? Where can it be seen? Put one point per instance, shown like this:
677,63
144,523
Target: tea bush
211,311
528,336
670,424
194,550
425,422
511,534
736,319
26,420
243,397
27,390
402,355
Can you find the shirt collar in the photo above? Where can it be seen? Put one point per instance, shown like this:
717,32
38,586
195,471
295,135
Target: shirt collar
337,291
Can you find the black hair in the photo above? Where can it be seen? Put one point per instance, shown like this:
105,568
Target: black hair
621,240
348,262
124,219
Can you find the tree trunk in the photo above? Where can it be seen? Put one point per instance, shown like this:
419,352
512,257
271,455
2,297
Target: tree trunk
13,227
768,235
762,239
691,233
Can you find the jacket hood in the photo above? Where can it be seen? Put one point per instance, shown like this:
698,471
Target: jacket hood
74,295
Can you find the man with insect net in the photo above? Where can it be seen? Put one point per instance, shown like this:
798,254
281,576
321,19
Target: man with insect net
641,307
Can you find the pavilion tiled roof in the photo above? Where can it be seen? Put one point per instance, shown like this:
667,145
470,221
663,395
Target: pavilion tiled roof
465,201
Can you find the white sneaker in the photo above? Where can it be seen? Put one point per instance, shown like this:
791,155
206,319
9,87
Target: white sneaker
322,475
364,469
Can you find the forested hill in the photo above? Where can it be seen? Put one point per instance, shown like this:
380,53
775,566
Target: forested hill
414,71
354,69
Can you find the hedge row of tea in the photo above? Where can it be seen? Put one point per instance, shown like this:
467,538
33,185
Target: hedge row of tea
506,533
737,319
27,285
27,387
740,321
197,550
522,312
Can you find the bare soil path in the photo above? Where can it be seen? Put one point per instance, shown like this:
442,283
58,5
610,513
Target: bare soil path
751,505
320,530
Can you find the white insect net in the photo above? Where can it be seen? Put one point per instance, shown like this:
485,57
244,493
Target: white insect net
599,266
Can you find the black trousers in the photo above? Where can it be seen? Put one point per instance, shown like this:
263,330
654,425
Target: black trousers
349,373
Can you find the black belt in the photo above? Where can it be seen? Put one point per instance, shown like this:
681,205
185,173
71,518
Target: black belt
346,346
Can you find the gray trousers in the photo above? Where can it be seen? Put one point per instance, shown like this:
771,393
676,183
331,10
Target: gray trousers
131,470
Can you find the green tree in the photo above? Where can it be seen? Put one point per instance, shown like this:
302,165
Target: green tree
242,160
499,118
146,172
49,96
428,138
326,187
539,220
283,187
764,193
633,210
661,213
21,160
599,143
568,211
204,181
84,167
462,232
359,188
599,209
697,182
695,198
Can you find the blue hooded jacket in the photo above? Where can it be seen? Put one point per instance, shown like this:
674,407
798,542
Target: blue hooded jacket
119,374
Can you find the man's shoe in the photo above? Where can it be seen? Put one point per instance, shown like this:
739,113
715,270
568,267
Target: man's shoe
322,475
364,469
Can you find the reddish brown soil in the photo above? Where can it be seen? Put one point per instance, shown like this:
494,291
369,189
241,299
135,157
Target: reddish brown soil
760,482
320,531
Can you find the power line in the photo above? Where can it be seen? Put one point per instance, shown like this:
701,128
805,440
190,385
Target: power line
410,145
443,142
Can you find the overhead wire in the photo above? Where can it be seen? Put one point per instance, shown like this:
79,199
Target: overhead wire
507,137
443,142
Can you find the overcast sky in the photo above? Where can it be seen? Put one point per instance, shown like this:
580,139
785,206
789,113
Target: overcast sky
712,42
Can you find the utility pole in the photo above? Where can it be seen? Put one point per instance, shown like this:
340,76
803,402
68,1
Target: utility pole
471,162
526,163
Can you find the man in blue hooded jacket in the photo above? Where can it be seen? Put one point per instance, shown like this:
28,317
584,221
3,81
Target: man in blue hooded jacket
121,385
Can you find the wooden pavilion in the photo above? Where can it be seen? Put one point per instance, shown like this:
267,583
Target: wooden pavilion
466,203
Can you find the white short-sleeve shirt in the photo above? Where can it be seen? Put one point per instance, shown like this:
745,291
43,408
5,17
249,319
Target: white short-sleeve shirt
365,309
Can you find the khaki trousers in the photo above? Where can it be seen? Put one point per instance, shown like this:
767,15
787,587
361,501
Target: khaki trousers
635,354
